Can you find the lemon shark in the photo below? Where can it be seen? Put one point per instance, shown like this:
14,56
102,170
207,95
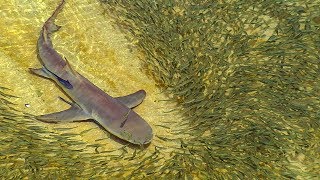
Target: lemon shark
88,101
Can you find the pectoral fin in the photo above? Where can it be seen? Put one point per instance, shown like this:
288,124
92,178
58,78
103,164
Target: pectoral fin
133,100
74,113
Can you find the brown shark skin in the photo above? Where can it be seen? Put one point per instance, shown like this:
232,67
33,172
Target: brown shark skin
110,113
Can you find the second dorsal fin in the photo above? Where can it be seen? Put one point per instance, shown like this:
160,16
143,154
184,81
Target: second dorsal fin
68,67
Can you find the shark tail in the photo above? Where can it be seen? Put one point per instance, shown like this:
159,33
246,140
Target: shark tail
49,26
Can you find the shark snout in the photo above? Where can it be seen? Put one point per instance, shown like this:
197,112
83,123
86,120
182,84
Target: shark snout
135,130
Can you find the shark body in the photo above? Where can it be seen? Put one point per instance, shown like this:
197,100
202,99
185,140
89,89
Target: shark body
89,101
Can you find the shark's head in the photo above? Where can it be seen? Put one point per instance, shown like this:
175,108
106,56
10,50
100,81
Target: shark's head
135,130
131,128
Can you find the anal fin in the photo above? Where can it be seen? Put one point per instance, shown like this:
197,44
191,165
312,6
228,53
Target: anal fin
40,72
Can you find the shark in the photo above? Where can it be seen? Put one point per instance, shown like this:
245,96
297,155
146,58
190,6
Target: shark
88,102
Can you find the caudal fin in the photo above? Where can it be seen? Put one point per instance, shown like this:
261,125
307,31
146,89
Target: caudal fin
49,25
